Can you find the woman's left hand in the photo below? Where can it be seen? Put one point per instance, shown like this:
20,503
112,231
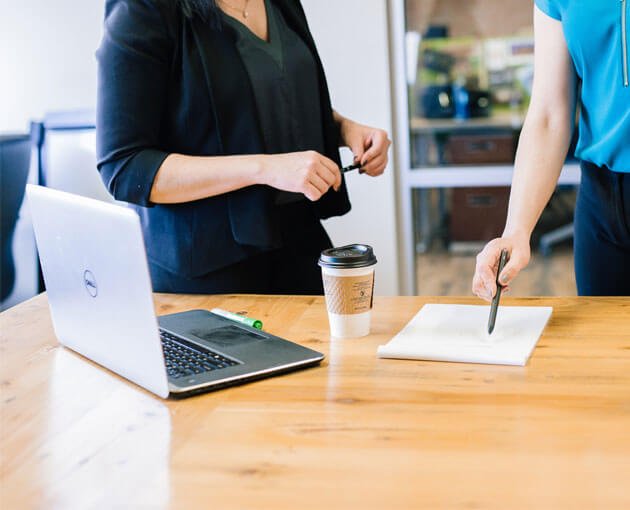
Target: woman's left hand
369,146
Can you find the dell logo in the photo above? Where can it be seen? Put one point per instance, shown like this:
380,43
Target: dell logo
90,283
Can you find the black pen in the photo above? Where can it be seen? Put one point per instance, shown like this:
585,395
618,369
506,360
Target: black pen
350,168
495,300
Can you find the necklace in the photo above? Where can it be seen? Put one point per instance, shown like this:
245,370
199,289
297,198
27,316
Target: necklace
243,11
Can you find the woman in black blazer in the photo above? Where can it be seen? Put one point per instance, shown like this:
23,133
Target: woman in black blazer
214,122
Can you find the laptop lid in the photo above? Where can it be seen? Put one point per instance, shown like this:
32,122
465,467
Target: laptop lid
99,290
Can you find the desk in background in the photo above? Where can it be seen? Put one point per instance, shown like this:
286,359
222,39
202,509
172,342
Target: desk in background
420,177
432,135
357,432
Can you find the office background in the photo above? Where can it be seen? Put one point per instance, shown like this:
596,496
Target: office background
360,431
368,50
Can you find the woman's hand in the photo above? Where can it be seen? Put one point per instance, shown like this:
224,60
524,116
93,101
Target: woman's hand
369,145
307,172
484,282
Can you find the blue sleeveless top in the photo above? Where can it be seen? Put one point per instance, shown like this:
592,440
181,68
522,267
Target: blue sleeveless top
598,38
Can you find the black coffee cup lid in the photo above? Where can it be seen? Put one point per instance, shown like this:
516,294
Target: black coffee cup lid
348,257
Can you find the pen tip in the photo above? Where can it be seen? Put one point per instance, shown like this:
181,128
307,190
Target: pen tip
490,329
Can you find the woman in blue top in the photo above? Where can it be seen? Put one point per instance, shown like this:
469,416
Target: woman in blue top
577,43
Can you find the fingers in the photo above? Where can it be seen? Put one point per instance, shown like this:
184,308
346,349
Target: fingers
517,262
320,184
330,172
369,147
376,166
319,171
357,150
319,174
479,288
377,144
484,285
484,281
311,192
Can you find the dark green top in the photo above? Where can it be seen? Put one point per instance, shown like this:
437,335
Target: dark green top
284,79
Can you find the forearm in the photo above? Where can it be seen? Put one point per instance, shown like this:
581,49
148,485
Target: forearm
188,178
340,120
541,153
546,134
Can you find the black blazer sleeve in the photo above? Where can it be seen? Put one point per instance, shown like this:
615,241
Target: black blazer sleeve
133,69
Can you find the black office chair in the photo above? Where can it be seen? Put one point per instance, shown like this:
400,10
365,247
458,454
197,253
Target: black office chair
15,154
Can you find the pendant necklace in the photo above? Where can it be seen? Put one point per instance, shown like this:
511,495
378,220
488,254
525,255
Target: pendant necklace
243,11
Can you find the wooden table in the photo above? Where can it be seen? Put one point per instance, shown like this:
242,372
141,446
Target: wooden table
356,432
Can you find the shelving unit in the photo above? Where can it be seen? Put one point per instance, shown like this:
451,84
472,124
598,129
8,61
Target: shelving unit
419,179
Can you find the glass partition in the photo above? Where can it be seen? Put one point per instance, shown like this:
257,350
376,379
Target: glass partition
469,77
463,74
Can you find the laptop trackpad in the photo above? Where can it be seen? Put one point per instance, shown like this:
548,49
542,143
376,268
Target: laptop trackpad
226,336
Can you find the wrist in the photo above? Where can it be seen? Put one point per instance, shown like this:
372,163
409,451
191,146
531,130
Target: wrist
258,170
517,232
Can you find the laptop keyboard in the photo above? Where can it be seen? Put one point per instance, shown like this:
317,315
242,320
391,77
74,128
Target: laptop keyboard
185,359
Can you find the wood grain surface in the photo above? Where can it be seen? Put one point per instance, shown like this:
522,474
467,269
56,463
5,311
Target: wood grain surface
356,432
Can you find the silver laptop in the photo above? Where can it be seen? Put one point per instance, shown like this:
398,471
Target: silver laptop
99,290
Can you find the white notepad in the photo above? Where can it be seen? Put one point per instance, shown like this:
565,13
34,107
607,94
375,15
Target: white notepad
459,333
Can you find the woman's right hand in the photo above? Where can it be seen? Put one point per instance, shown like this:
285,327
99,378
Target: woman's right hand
307,172
484,282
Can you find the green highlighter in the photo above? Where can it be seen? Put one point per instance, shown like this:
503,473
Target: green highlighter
254,323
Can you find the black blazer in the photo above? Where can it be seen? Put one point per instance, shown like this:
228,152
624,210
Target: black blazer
172,84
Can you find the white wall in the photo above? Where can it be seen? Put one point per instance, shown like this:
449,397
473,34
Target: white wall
352,38
47,58
48,48
46,63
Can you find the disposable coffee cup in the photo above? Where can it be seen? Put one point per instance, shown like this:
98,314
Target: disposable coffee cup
348,275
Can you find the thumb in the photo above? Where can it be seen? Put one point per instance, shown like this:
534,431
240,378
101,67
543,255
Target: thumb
511,269
367,144
357,150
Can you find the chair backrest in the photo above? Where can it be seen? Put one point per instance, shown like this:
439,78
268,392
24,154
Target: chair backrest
69,154
15,155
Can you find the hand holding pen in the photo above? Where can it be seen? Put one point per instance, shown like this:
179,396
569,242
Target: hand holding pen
484,281
369,145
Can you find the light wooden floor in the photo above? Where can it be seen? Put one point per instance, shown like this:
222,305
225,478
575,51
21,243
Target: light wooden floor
443,274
